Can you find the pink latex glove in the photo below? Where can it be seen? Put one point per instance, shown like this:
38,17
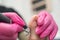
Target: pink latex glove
15,18
10,31
46,25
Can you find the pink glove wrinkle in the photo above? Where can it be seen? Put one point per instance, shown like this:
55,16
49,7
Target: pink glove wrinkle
46,25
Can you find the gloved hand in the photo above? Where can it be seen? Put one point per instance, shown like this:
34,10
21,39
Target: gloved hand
46,26
10,31
43,25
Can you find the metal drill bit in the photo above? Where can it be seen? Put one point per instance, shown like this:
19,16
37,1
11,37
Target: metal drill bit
27,30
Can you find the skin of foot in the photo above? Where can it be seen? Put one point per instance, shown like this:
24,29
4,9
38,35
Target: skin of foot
32,35
32,26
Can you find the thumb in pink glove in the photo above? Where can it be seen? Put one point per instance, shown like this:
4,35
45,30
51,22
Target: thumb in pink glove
46,25
9,29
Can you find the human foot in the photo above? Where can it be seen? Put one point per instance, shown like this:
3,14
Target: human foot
32,26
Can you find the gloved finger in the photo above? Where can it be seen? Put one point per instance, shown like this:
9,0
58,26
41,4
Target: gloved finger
47,22
53,33
47,31
41,17
33,21
15,18
9,28
47,13
16,27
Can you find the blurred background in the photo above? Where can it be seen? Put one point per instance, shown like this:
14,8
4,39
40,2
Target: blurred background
28,8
